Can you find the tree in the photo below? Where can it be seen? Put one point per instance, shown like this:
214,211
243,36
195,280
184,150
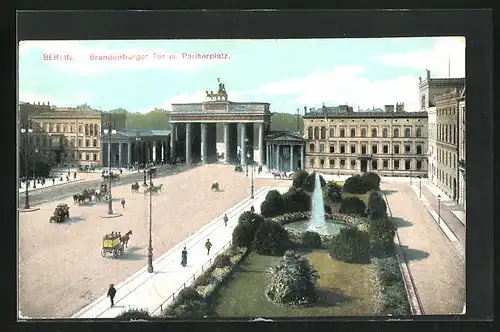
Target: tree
270,239
352,205
381,232
273,205
311,181
333,192
372,180
244,232
350,246
296,200
377,208
299,179
356,185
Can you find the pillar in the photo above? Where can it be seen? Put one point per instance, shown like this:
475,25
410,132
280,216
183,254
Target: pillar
267,156
204,158
188,143
302,161
278,157
102,153
243,144
154,151
291,158
172,141
162,150
226,143
129,154
120,154
261,144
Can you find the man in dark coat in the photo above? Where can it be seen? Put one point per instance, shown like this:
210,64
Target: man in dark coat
226,219
111,294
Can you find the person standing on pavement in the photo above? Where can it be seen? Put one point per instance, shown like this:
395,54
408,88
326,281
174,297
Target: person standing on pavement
208,245
123,203
226,219
111,294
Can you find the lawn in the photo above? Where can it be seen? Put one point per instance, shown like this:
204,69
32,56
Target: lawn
343,289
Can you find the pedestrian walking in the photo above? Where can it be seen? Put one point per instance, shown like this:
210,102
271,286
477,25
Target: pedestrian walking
208,245
111,294
121,171
74,176
123,203
53,181
226,219
184,257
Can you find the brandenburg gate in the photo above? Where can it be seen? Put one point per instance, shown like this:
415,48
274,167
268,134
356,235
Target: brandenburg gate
194,129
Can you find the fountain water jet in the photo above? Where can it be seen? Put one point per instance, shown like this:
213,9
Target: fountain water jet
317,222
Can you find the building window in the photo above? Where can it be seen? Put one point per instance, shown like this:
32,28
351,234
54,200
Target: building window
322,147
80,129
310,133
311,147
65,128
87,156
86,130
316,133
95,157
384,132
58,128
353,148
419,165
80,142
332,163
419,149
396,149
374,132
407,148
353,163
332,132
363,149
385,164
95,142
311,162
342,132
322,163
385,149
72,142
71,128
407,132
80,156
374,164
323,133
396,164
342,148
353,132
44,141
407,165
374,148
342,163
87,142
422,102
396,132
419,132
332,148
91,130
363,132
96,130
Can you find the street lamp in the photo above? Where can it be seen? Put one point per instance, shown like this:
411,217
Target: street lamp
35,151
26,132
251,187
150,247
411,182
439,208
144,183
248,155
110,129
137,140
420,186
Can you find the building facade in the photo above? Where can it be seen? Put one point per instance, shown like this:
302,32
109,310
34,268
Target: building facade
447,142
429,88
462,180
389,143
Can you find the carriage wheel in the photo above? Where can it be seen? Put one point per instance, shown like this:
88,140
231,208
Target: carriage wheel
103,253
115,253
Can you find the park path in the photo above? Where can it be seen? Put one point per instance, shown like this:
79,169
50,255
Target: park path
60,266
438,272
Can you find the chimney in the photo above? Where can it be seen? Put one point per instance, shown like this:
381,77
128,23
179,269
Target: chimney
428,74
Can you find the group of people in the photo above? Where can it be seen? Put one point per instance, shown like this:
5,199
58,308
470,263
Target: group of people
113,235
184,253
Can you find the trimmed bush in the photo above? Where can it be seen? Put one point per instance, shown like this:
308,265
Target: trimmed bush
134,314
387,270
293,281
299,179
248,216
243,233
311,180
372,180
273,205
296,200
187,294
351,246
191,309
333,192
352,205
377,208
222,261
356,185
311,240
381,232
270,239
238,168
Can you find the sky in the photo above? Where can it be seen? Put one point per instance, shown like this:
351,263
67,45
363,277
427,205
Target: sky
288,74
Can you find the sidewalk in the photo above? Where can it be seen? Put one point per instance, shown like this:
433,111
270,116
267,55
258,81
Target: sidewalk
48,184
453,207
149,291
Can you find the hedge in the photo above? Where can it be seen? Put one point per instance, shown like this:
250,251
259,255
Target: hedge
352,205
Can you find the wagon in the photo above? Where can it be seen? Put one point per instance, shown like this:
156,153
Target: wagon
111,244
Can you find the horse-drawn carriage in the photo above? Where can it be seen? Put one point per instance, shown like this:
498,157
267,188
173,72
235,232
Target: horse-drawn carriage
114,176
153,189
281,175
85,196
61,213
114,243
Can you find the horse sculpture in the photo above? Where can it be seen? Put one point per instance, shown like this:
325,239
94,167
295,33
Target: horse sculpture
124,238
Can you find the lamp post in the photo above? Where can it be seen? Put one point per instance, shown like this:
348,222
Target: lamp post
248,156
144,182
137,140
150,247
420,186
35,151
439,208
411,182
26,131
110,129
251,187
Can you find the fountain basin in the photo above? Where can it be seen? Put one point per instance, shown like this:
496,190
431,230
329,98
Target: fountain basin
330,227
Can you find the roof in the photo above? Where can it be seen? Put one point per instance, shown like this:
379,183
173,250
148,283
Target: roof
284,135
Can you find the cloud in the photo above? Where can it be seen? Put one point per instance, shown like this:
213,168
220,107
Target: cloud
88,60
435,59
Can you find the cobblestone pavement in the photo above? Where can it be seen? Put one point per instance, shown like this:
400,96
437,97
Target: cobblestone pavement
437,270
60,265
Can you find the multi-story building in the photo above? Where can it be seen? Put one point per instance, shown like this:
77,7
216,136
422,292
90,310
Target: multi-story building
428,89
447,141
66,136
346,142
462,183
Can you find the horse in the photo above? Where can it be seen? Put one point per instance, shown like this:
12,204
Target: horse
160,187
124,238
135,187
276,174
